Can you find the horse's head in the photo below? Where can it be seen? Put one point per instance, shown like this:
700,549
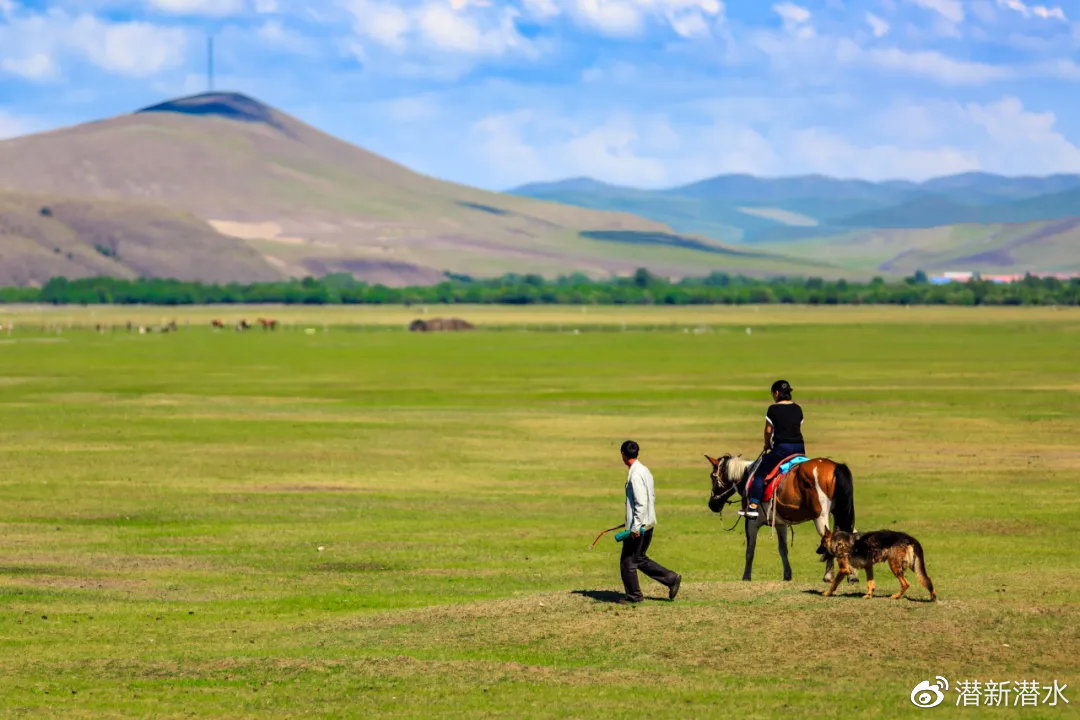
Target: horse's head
724,481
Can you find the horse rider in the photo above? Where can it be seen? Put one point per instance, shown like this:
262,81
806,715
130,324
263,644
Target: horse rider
783,438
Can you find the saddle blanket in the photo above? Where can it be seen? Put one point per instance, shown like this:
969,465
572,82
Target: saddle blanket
772,480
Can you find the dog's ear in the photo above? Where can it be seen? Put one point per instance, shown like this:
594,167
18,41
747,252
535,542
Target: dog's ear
827,536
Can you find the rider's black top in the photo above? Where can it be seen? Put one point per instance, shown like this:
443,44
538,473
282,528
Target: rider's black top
786,420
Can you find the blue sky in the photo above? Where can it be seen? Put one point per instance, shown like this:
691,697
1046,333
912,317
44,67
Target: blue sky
641,92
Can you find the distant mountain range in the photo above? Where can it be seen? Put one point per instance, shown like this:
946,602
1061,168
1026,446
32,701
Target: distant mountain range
744,208
220,186
846,222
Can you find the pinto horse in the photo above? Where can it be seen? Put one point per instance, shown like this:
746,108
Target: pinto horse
810,491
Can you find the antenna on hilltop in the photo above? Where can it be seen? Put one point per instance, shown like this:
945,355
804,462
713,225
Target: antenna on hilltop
210,63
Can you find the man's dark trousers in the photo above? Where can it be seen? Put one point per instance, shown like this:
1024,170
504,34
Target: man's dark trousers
634,559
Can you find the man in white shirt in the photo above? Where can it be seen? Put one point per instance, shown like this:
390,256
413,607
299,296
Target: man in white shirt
640,521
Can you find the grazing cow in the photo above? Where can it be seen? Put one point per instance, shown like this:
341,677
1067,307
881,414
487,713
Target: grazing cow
440,325
268,323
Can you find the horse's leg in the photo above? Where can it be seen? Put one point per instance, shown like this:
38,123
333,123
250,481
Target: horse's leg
821,524
781,542
752,525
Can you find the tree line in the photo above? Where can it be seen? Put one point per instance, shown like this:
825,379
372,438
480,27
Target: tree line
641,288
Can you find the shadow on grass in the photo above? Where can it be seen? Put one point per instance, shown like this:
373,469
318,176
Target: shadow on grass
860,595
609,596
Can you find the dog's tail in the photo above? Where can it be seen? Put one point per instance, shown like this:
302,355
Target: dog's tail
919,565
843,499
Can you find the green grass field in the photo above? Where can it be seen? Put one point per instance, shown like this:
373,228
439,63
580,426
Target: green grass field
362,523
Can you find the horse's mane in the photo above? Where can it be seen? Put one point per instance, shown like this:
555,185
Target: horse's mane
737,467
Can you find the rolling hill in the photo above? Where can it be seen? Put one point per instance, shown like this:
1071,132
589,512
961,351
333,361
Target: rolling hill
862,225
282,195
43,237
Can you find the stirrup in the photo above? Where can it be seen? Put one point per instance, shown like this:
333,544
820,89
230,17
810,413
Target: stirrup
751,512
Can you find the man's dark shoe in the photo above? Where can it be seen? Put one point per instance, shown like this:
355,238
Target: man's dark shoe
674,589
630,601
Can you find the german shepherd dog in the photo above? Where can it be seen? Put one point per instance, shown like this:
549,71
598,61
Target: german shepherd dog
864,550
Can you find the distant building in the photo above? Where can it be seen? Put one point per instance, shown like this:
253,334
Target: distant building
968,276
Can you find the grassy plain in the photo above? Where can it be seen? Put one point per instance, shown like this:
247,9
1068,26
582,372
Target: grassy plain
354,523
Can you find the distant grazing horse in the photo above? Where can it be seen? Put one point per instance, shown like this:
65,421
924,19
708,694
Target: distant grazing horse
242,326
217,324
809,491
268,323
440,325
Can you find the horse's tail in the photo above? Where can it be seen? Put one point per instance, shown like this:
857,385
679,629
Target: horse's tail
920,569
843,499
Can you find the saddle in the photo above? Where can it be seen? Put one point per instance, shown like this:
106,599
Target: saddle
772,480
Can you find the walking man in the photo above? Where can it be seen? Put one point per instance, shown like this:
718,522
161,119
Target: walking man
640,521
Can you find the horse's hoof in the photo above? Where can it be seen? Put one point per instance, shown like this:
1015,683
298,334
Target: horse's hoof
787,578
746,578
853,579
828,593
827,578
868,596
895,597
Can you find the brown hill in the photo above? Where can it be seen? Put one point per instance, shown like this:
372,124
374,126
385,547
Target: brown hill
312,204
43,237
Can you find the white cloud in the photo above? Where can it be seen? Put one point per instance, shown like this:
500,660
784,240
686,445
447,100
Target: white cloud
7,8
617,18
878,26
795,18
792,13
383,22
951,10
542,9
37,46
448,29
512,160
266,7
209,8
1039,11
630,18
37,66
273,32
821,151
136,49
1019,141
465,29
933,65
14,126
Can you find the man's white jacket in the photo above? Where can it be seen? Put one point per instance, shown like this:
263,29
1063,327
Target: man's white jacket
640,499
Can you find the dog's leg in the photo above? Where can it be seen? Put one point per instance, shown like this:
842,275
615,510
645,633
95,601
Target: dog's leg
897,566
869,582
835,581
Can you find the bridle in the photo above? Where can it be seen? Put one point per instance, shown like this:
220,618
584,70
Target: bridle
727,488
721,481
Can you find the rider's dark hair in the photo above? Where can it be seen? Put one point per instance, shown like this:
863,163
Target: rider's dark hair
629,449
782,388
